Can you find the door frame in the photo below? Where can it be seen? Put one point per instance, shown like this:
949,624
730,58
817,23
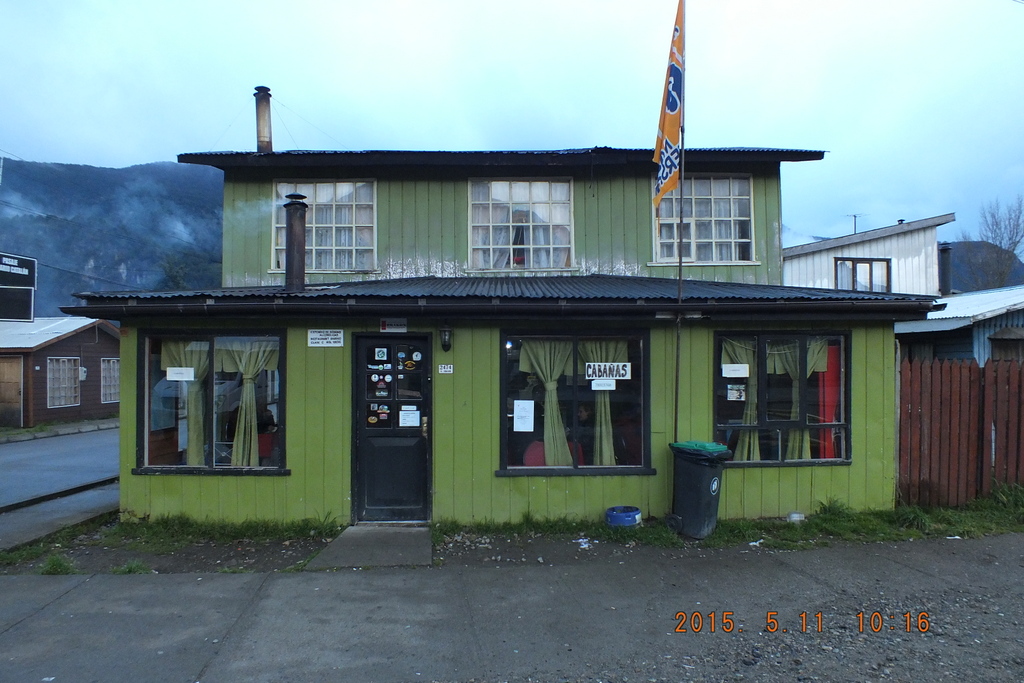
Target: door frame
21,387
358,398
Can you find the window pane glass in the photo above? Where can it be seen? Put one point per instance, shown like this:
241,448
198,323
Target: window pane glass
480,192
722,208
701,187
364,192
723,252
704,230
560,192
720,187
702,208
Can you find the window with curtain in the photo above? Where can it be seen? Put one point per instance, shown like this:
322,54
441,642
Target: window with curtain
520,224
214,402
782,397
574,402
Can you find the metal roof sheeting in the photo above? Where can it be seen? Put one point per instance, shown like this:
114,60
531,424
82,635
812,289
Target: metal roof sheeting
576,287
42,331
963,310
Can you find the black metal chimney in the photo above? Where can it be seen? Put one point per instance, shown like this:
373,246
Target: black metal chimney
295,243
264,140
945,268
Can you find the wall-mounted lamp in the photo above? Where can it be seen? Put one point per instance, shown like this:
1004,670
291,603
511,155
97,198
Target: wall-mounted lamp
446,336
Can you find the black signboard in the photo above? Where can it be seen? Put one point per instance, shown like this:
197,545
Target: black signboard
17,287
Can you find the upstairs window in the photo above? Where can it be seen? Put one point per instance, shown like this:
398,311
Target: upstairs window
340,225
520,225
716,222
863,274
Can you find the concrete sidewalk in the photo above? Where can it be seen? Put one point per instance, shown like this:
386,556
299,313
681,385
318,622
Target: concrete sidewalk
41,471
608,620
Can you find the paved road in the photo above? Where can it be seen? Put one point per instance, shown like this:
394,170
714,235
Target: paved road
42,466
610,620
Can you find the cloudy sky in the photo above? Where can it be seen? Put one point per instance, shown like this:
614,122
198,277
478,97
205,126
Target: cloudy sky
919,103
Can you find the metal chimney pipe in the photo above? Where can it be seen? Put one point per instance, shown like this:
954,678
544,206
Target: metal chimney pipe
264,141
295,243
945,268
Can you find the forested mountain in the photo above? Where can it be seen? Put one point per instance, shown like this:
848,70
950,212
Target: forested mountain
983,265
153,226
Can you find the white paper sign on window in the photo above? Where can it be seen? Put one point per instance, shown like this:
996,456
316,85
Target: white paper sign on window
602,385
181,374
522,416
735,370
326,338
408,418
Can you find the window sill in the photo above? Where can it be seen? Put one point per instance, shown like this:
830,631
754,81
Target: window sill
830,462
576,472
220,471
670,264
525,271
310,271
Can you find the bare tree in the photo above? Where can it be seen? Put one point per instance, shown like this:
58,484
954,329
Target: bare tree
1003,228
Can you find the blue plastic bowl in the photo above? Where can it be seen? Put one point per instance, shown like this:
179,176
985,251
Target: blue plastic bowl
622,515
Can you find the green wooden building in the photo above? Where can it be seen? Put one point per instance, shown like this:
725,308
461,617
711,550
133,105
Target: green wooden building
480,335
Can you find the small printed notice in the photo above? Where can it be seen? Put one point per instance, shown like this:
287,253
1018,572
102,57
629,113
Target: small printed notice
446,369
735,370
522,416
181,374
602,385
408,418
400,325
326,338
736,392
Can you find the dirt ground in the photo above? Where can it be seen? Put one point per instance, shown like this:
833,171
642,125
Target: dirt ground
91,556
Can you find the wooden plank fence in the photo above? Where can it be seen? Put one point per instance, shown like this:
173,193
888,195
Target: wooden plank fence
960,430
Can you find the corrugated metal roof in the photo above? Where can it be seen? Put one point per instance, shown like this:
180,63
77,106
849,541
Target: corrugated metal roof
963,310
867,235
575,287
16,335
565,157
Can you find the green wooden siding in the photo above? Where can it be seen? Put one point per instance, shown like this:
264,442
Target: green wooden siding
466,438
423,229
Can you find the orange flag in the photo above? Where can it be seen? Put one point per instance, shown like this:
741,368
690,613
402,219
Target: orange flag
668,152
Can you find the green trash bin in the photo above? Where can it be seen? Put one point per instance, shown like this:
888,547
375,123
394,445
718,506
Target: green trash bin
696,484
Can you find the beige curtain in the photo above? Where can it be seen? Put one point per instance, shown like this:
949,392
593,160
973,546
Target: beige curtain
744,352
604,351
195,355
784,358
250,358
549,360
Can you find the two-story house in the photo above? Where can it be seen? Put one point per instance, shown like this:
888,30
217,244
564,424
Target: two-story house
482,335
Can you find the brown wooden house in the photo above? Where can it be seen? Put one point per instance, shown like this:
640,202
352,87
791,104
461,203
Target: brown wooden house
58,370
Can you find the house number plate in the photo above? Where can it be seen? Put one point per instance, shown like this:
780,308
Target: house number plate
446,369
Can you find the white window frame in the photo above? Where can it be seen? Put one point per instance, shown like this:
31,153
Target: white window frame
696,235
110,380
319,227
63,381
515,252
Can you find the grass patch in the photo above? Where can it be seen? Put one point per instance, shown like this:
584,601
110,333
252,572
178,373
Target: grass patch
56,565
653,533
132,567
167,534
1002,512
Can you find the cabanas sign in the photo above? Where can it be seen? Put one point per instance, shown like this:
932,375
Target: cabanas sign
608,371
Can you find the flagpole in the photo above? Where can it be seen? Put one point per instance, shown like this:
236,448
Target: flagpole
668,154
679,224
